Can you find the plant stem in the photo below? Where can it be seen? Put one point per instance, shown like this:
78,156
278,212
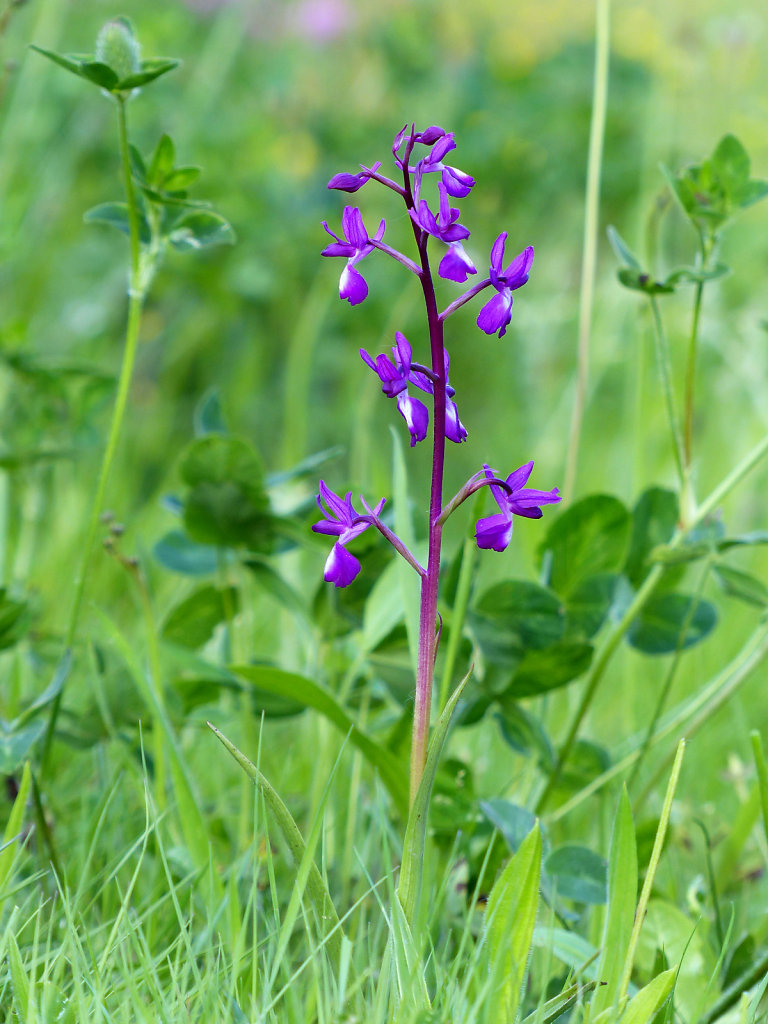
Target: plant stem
690,380
665,374
649,584
429,583
591,223
135,304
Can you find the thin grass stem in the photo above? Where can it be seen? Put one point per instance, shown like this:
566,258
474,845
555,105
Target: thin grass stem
591,228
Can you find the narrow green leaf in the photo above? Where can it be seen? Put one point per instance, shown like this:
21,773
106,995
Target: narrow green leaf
15,744
99,74
510,917
19,981
70,63
623,253
742,585
313,695
554,1008
150,70
14,826
315,885
622,896
412,867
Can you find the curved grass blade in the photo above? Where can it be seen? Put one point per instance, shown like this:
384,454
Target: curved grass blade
412,866
316,887
314,695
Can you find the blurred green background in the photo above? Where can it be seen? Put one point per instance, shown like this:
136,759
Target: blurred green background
271,100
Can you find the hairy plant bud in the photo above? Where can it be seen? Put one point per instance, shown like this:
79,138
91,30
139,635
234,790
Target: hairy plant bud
118,48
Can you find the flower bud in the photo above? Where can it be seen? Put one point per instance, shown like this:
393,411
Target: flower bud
118,48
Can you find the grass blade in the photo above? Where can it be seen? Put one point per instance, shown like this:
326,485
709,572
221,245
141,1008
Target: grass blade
315,885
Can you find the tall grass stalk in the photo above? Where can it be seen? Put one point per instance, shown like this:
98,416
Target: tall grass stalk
591,231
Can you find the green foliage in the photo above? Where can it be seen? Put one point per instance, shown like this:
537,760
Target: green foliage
115,65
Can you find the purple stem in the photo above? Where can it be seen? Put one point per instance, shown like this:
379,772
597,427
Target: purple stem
469,488
429,583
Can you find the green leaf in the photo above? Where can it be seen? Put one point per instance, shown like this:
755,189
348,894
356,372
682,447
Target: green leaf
315,886
514,822
694,275
162,161
510,917
209,415
623,253
272,583
542,671
640,281
532,615
578,873
116,215
150,70
227,504
16,743
658,629
730,162
589,538
14,827
654,521
15,619
199,229
523,732
178,552
412,865
648,1000
588,605
314,695
750,192
191,622
742,585
622,895
180,179
744,540
100,74
70,63
138,167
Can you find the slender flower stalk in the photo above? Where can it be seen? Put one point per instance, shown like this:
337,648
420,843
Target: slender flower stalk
401,371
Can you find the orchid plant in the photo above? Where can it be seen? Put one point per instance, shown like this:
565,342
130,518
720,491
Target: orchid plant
416,155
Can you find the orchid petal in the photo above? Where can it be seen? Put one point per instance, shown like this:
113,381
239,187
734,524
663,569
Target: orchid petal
341,567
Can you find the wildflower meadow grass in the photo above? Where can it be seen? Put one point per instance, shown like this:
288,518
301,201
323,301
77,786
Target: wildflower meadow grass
384,616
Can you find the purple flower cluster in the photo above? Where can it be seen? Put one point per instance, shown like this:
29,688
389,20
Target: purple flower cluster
417,155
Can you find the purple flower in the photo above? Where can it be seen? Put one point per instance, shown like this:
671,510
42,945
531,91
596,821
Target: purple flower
444,226
396,374
497,312
357,246
457,183
496,531
342,521
456,265
346,182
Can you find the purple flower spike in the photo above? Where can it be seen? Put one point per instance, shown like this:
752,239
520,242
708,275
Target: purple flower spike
345,182
357,246
341,520
497,312
444,226
457,183
495,532
456,265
